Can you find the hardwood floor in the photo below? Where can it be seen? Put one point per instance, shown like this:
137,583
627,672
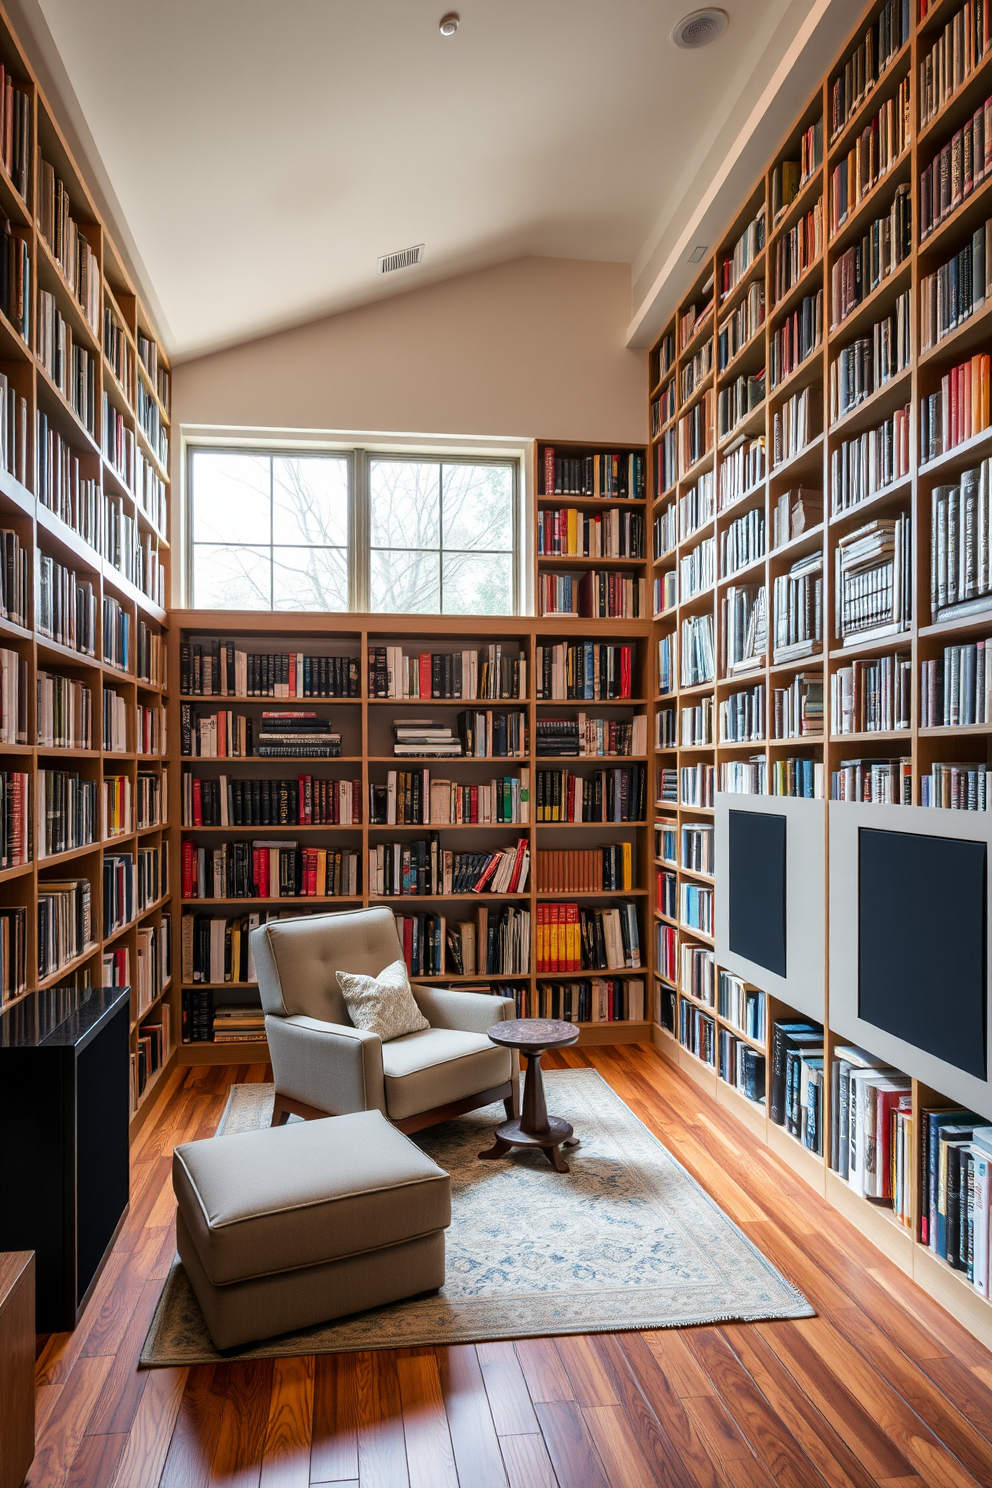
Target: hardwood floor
881,1387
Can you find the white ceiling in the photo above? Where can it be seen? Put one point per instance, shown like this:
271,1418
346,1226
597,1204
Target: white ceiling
282,147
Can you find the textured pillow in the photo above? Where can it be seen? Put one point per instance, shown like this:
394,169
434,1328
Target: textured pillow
382,1004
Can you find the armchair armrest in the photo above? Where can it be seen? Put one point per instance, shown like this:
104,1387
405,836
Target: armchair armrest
468,1012
332,1066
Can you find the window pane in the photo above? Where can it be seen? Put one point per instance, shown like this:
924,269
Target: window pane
310,501
478,584
404,501
405,583
477,503
231,497
230,578
309,579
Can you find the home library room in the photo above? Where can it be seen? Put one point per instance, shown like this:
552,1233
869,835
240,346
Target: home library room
820,425
84,490
489,780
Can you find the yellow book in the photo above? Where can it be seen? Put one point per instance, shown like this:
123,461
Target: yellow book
628,867
573,530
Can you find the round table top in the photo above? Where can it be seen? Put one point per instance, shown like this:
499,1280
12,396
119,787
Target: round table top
533,1033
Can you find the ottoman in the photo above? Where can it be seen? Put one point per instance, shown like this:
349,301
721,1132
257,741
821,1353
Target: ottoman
293,1225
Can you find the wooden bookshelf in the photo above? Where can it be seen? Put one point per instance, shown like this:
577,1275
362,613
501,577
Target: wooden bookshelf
365,724
88,286
810,468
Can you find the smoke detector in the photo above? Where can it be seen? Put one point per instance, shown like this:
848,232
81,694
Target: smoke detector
699,28
449,24
404,259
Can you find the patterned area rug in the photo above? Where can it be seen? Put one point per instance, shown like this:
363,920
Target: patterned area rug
627,1239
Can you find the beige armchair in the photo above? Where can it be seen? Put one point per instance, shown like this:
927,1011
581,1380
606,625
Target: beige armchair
325,1066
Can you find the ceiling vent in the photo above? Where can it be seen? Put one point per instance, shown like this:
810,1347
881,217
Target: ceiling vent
404,259
700,28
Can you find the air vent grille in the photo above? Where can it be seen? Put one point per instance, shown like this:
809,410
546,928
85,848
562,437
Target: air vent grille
404,259
700,28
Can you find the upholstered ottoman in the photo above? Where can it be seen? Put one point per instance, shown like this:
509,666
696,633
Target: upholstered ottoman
294,1225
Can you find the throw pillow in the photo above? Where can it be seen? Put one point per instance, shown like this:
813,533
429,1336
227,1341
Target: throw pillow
384,1004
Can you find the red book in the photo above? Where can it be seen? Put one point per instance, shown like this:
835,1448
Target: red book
292,674
494,861
408,940
474,803
518,864
187,870
197,803
549,470
424,680
304,815
575,962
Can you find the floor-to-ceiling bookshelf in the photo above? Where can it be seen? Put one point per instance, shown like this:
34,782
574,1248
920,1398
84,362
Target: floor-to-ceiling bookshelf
802,253
84,483
365,723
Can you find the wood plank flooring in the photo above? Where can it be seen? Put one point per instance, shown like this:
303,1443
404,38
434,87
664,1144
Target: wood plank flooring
881,1387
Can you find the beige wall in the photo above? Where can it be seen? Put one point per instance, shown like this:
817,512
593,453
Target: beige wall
531,348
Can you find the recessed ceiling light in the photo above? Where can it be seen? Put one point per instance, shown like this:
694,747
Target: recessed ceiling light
700,27
449,24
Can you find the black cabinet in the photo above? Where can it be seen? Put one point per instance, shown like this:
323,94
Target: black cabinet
64,1110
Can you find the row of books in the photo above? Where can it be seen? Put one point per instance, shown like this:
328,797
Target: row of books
739,329
953,293
66,607
742,255
796,251
16,281
217,948
795,1096
957,787
695,371
696,315
586,870
586,737
267,869
793,427
956,170
742,716
152,1047
741,1066
874,580
874,152
13,951
956,688
795,338
13,578
568,532
596,595
697,569
872,695
741,1005
697,972
960,540
696,723
493,942
615,476
952,59
871,361
663,409
495,672
798,609
424,867
69,811
743,628
70,366
880,782
586,671
696,907
60,485
79,263
303,801
228,735
865,464
696,431
413,798
956,1187
879,45
883,246
870,1105
796,776
697,505
14,698
572,938
117,348
697,1032
615,795
738,400
587,1000
220,669
65,923
15,818
742,542
797,710
742,467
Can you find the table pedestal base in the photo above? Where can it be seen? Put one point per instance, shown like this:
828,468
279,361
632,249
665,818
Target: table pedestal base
558,1134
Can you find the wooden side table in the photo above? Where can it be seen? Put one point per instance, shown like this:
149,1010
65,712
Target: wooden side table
534,1127
16,1366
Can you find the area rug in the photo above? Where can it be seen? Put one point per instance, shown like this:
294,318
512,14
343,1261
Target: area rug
627,1239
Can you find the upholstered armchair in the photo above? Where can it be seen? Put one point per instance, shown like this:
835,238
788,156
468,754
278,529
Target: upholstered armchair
325,1066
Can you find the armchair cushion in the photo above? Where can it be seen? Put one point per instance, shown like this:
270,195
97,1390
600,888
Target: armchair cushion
331,1066
382,1004
472,1012
439,1066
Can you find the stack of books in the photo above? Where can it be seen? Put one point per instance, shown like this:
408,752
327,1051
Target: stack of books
303,735
421,736
234,1024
